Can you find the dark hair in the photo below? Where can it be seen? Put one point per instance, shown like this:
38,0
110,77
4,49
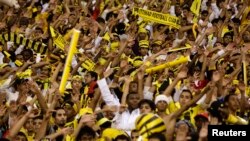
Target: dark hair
134,130
109,15
68,102
100,20
227,97
39,117
106,124
122,137
149,102
204,12
93,74
29,51
213,109
19,82
24,21
22,134
231,34
86,130
188,91
215,21
158,136
236,20
230,10
4,139
102,105
186,7
131,94
56,109
119,28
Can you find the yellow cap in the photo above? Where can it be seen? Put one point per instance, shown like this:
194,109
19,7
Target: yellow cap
34,10
137,61
106,37
148,124
86,110
3,65
114,46
77,77
112,133
68,86
235,82
142,30
7,54
158,42
26,74
144,44
102,61
102,121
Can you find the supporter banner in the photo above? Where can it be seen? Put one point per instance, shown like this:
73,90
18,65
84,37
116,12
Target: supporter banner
161,18
67,66
58,39
19,39
88,64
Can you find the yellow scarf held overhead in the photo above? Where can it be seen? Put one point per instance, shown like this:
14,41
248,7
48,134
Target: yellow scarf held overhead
157,17
20,39
58,39
195,7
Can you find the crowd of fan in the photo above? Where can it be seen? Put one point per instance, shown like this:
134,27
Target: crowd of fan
109,94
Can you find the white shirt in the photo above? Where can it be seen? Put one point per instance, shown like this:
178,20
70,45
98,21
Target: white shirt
107,96
126,120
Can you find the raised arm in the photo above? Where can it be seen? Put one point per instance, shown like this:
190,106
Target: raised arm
18,125
181,75
41,100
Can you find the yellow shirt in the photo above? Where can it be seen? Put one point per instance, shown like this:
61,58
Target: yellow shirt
30,138
191,112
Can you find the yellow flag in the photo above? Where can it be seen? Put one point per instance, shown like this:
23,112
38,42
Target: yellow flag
195,7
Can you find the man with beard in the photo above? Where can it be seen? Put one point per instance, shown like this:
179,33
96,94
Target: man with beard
60,119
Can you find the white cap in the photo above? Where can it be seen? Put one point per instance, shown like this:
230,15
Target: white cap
161,98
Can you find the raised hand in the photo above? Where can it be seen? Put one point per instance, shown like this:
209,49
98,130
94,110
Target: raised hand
224,112
34,113
183,73
204,131
113,85
33,86
182,133
242,87
123,63
67,130
140,74
87,119
3,110
216,76
210,30
75,98
122,108
108,72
